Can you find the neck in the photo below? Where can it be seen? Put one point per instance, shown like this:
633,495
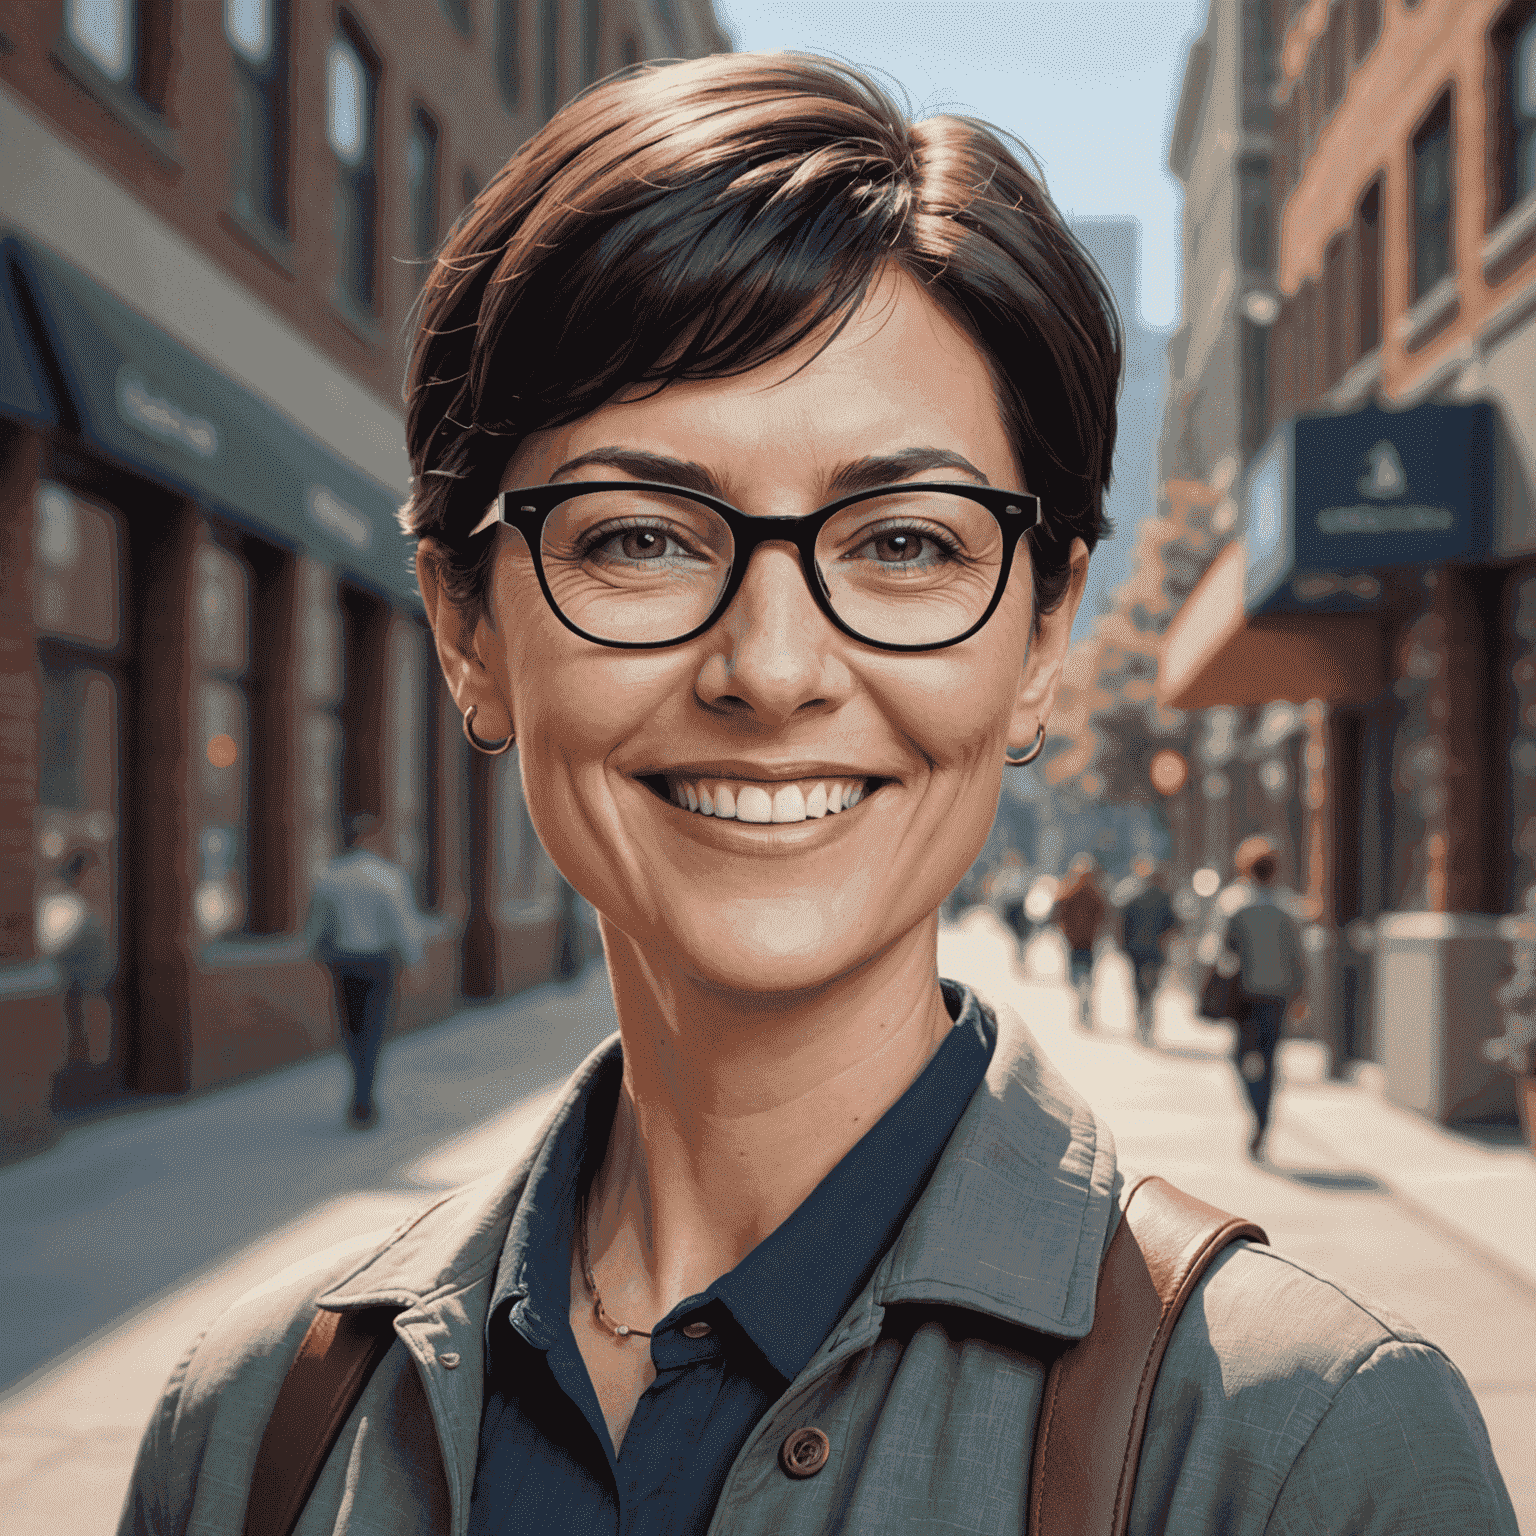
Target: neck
735,1107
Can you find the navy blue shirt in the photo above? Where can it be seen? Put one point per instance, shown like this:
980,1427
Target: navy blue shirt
546,1462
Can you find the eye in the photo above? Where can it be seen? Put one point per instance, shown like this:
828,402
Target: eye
905,544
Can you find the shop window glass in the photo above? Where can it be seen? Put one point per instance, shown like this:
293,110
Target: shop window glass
75,594
1432,198
352,85
421,178
76,822
1514,41
257,31
365,633
1368,270
1334,319
509,52
221,737
1255,404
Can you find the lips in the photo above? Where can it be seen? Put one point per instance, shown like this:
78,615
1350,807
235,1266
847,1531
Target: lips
774,802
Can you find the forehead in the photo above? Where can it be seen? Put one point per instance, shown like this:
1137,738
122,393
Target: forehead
901,373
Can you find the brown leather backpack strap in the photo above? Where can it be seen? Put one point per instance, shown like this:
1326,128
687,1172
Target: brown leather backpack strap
339,1354
1097,1393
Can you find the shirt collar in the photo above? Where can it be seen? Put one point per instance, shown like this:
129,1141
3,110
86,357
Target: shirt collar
788,1293
1012,1223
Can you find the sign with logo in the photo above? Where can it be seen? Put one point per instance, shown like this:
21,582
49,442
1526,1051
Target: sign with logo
1332,500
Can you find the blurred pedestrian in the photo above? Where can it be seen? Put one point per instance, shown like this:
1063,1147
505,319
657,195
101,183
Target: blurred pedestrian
363,926
1080,911
1007,886
1147,922
79,945
1263,938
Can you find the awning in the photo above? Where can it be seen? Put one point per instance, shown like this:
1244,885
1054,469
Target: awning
1291,609
24,392
1215,652
148,401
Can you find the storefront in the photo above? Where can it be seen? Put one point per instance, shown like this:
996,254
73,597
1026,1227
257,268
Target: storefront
215,634
1372,584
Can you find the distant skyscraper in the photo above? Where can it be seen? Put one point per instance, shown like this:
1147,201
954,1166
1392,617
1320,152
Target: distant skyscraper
1115,244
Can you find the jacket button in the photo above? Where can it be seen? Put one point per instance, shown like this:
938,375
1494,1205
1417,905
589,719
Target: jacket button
804,1452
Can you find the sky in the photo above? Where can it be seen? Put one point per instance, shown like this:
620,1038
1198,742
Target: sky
1089,85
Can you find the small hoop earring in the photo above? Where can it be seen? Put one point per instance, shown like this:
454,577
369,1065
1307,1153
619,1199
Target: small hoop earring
490,748
1036,748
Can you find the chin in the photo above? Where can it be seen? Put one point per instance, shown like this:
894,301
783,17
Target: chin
770,945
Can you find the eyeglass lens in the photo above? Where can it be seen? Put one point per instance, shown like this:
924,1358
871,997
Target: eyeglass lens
912,567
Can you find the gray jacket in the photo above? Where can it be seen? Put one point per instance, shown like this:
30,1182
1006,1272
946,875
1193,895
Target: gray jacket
1285,1405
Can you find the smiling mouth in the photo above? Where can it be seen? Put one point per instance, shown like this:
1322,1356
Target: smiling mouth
762,803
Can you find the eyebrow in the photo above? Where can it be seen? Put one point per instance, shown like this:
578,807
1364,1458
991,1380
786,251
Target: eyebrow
859,475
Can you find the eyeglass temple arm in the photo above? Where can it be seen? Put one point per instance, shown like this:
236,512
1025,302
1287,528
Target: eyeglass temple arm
492,515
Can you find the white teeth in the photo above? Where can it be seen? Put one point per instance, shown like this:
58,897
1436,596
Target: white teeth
753,804
789,803
759,804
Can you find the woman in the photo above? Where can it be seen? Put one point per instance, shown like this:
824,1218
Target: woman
760,440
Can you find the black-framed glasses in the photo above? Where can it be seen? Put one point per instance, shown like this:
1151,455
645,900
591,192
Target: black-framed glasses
639,565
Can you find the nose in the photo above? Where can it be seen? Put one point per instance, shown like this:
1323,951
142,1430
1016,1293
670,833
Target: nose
773,653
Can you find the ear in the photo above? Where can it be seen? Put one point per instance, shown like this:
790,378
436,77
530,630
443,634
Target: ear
455,632
1041,678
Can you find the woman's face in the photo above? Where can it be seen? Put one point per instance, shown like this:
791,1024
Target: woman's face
772,695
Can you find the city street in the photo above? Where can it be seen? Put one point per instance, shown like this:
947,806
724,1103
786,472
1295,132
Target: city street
122,1241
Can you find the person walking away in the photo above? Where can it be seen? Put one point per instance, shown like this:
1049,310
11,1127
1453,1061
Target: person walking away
363,926
1007,887
1266,942
1147,922
73,935
1080,909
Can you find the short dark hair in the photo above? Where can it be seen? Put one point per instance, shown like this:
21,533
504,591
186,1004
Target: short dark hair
1265,868
696,220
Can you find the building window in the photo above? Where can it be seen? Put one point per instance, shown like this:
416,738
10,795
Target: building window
469,187
365,661
509,52
1253,215
352,88
1514,43
1335,321
591,40
1258,63
1366,27
1432,149
127,40
549,57
1368,270
629,50
257,31
221,737
421,174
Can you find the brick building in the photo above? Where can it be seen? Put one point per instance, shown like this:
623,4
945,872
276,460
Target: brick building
214,219
1386,569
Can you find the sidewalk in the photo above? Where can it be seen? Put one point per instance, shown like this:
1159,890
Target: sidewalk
1439,1228
119,1245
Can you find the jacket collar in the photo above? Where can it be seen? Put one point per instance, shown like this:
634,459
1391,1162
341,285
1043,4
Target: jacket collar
1013,1222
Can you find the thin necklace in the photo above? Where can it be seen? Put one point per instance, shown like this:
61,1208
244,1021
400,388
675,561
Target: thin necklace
617,1329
